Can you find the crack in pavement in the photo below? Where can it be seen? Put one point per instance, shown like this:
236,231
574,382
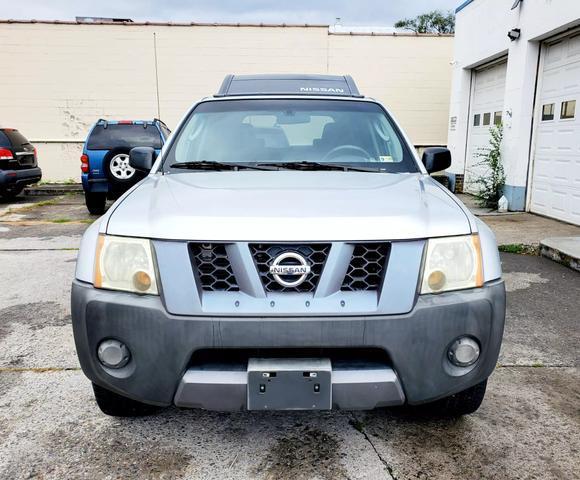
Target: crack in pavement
359,427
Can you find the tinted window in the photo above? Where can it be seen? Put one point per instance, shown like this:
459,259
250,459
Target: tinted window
476,120
166,131
497,118
486,118
15,137
283,130
115,136
548,112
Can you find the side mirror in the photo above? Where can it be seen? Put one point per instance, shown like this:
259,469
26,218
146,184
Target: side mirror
436,159
142,158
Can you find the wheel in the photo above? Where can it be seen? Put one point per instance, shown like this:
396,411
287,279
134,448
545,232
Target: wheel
117,168
116,405
95,202
462,403
11,192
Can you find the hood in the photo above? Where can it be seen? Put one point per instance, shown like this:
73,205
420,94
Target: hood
286,206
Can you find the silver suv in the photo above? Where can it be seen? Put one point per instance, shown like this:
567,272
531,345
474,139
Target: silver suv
288,250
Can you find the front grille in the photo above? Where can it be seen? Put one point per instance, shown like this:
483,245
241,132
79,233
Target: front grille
365,271
213,267
265,253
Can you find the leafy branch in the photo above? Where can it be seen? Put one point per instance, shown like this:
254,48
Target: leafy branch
435,21
490,182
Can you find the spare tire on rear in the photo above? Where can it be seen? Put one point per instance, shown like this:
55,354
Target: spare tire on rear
117,168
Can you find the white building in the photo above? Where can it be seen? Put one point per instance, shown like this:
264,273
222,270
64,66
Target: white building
80,71
531,83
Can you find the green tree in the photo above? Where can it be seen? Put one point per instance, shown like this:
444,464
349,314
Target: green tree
430,22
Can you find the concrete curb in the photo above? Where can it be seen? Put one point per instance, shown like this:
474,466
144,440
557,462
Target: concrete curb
53,189
564,250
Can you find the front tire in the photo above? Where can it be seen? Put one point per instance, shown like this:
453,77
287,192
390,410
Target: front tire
461,403
96,202
116,405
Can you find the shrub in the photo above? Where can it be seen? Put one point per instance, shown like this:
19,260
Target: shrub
489,184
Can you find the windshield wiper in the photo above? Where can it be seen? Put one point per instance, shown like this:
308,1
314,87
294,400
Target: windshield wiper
305,165
213,165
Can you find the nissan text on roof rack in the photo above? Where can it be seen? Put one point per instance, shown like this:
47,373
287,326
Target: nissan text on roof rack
288,250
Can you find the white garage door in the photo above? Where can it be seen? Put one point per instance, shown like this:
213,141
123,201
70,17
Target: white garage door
486,107
556,169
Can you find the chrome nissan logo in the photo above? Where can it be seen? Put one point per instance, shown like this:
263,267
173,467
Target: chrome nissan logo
290,269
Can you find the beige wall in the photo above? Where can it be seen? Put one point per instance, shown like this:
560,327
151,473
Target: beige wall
76,73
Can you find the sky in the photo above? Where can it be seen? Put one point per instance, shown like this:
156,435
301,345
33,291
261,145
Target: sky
351,12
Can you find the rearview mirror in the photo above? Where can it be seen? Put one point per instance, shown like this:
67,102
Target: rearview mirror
142,158
436,159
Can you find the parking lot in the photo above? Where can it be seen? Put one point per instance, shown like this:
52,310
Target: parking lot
50,426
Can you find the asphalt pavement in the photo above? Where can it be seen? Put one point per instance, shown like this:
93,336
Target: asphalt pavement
50,427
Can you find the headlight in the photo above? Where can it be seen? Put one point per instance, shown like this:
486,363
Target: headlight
452,263
124,263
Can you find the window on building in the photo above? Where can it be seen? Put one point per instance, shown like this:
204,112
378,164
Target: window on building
548,112
497,118
477,120
568,109
486,118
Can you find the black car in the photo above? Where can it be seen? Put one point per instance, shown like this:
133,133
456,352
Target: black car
18,163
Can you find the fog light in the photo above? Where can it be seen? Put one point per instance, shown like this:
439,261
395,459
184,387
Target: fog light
113,353
463,352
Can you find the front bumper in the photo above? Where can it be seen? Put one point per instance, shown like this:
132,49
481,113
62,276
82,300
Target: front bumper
162,344
26,176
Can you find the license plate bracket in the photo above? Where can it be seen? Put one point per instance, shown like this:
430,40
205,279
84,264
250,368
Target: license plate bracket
289,384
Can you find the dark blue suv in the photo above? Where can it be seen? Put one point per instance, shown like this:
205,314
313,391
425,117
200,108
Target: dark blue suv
106,172
18,163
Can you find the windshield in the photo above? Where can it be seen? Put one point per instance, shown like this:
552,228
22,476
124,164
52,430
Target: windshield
286,131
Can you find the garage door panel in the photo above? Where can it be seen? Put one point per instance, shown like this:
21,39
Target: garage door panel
555,188
487,98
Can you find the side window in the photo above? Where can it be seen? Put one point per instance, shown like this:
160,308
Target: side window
166,131
486,118
4,141
477,120
568,109
497,118
548,112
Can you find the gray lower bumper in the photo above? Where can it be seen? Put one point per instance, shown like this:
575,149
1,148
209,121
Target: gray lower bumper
162,344
352,389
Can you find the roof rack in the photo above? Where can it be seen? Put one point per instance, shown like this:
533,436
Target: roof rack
331,85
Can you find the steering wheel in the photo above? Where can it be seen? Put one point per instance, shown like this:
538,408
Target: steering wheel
343,149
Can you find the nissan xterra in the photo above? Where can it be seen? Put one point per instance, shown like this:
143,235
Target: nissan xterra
288,250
